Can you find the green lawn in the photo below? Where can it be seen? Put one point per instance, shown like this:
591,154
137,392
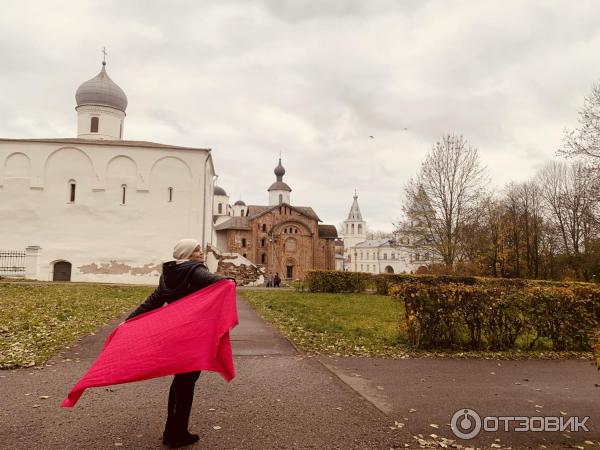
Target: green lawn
338,324
38,320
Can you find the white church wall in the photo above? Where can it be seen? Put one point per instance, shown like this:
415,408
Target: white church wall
103,239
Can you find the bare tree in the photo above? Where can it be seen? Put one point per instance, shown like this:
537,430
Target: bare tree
569,195
446,191
585,139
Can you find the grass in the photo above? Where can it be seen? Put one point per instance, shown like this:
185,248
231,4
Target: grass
39,320
338,324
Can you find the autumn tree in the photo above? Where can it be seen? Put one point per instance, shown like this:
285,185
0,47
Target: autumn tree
447,190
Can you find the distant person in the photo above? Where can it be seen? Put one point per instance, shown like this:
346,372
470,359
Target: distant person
276,280
180,278
269,280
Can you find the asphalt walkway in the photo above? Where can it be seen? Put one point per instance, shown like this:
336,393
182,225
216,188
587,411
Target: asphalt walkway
282,399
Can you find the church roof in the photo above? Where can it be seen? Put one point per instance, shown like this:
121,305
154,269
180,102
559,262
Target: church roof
120,143
101,90
235,223
279,186
354,213
373,243
327,232
257,210
240,203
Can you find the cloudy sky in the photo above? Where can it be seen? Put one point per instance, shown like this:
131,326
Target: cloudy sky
312,80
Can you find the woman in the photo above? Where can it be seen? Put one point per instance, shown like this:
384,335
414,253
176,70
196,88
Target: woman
180,278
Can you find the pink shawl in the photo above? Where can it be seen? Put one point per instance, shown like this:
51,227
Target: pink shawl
187,335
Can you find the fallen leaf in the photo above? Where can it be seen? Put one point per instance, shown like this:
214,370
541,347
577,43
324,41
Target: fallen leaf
412,410
216,427
44,397
433,425
36,406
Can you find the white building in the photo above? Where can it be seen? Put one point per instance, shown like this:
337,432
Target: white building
97,207
402,255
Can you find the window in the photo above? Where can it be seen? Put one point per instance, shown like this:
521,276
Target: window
346,228
417,257
385,256
72,185
264,227
243,242
361,267
352,228
295,230
361,255
359,228
280,199
123,193
263,259
393,256
94,124
171,195
220,208
121,130
290,272
244,255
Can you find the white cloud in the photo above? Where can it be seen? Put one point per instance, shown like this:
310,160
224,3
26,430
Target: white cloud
313,80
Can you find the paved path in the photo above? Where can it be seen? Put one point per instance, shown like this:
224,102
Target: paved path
279,400
282,399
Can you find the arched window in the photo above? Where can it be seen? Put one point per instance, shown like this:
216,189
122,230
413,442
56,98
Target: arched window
262,242
264,227
170,194
72,187
280,199
220,208
359,228
263,259
346,228
243,242
352,229
123,193
385,256
94,124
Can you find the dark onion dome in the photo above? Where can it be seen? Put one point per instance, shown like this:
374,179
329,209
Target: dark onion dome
279,186
279,171
102,91
239,203
220,191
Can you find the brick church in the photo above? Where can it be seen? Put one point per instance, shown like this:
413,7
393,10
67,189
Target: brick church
280,237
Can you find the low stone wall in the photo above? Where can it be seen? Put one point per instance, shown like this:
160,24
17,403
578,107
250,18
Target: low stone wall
234,265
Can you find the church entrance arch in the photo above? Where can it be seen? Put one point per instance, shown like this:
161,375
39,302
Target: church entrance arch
61,271
389,269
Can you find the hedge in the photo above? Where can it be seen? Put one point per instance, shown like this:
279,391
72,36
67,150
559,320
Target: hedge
337,281
485,316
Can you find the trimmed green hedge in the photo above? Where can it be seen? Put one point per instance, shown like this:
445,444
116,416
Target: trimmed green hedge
383,282
337,281
488,317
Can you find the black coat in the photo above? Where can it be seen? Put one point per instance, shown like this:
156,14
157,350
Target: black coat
176,282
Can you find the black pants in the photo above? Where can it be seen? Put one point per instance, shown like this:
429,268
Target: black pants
181,396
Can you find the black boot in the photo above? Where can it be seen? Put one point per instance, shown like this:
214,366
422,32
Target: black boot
182,441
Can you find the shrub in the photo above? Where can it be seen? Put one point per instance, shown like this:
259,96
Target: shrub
337,281
484,316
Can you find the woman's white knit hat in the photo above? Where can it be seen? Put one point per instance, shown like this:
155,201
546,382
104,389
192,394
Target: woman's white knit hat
184,249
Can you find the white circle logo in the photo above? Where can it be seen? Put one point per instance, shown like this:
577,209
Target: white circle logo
466,423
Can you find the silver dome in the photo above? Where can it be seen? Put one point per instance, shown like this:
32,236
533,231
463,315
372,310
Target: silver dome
239,203
101,90
219,191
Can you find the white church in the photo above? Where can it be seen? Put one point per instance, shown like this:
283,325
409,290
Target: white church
98,207
404,254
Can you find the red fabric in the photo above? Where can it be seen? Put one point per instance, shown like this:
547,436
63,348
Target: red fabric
187,335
